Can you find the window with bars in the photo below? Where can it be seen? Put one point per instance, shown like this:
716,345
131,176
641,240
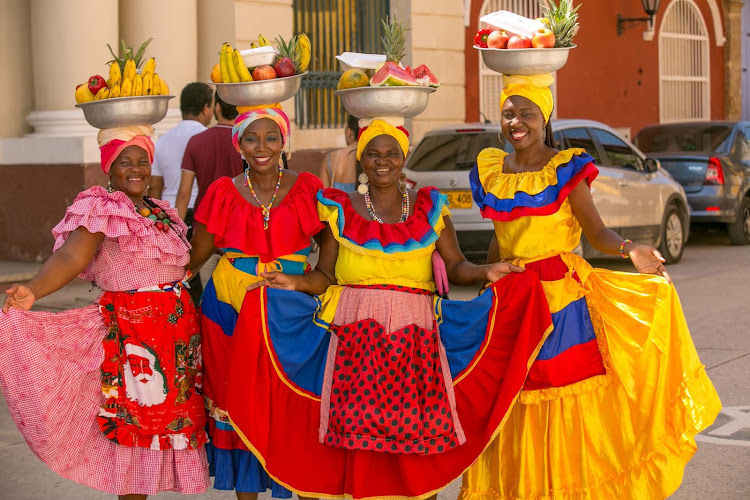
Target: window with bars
491,83
334,26
684,71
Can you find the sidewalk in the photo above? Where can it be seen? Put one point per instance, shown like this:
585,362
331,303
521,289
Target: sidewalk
12,271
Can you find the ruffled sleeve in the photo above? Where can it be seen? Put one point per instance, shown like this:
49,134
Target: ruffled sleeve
416,235
507,196
237,224
113,214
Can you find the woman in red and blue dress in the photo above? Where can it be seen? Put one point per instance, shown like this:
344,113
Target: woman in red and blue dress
261,220
368,385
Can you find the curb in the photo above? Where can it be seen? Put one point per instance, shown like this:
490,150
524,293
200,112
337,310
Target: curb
17,277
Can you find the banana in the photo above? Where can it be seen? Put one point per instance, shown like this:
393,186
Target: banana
114,73
115,92
242,70
129,72
263,41
102,94
163,87
233,76
156,85
126,90
148,84
137,86
302,53
254,45
149,67
224,65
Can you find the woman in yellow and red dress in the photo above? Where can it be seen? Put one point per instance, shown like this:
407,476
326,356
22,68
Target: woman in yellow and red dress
614,399
376,388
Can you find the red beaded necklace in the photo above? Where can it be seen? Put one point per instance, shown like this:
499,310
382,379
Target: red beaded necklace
153,212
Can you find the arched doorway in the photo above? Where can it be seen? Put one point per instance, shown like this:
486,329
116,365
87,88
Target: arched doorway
684,70
491,83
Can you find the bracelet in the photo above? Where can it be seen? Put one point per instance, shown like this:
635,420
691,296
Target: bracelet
622,247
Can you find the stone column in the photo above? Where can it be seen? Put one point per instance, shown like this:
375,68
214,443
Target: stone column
64,56
15,31
215,26
173,25
733,59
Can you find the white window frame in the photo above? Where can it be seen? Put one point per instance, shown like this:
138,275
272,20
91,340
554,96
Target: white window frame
490,82
684,45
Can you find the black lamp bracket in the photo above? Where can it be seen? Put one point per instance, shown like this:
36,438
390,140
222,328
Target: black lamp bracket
629,22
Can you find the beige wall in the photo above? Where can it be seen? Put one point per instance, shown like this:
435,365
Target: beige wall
15,32
215,26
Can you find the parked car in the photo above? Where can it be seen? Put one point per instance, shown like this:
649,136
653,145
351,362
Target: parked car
635,197
712,162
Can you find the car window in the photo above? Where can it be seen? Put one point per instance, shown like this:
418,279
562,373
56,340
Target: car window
692,137
618,153
580,138
742,143
559,140
456,151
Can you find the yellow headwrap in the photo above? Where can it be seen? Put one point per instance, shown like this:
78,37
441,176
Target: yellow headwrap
382,127
533,87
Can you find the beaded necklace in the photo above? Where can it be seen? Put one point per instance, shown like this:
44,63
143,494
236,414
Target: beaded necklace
266,210
404,208
151,211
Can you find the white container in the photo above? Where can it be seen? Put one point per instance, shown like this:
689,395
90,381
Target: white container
512,23
259,56
350,60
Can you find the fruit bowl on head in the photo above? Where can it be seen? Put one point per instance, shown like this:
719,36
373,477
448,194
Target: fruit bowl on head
525,61
260,92
126,111
370,102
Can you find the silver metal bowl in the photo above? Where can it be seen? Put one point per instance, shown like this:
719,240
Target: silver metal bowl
260,91
369,102
126,111
525,61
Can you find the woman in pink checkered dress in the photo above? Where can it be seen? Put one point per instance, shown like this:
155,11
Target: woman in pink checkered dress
109,395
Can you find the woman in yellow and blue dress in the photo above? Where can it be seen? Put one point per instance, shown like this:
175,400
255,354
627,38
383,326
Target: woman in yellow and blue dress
376,388
612,403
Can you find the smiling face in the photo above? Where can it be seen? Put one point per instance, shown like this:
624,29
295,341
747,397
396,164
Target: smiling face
261,145
522,122
383,161
130,172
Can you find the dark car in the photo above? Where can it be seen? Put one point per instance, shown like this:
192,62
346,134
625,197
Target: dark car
712,162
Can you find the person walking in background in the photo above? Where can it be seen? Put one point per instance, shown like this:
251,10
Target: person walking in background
196,106
339,169
208,156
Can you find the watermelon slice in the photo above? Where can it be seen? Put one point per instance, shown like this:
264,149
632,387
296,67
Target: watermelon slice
424,77
392,75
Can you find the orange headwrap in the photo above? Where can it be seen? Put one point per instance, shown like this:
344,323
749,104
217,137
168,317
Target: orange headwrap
112,142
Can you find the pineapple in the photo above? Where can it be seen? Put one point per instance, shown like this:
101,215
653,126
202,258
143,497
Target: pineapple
394,39
288,50
127,52
561,19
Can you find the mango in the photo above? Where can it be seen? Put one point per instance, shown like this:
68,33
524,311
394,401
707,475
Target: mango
353,78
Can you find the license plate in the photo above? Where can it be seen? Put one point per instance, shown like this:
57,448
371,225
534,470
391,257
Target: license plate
459,198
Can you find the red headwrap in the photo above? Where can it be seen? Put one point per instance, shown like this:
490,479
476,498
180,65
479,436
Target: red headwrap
113,141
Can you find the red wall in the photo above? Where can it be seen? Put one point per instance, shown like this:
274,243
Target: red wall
609,78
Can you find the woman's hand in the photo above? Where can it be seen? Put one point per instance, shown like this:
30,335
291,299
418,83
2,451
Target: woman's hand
275,279
18,297
648,260
499,270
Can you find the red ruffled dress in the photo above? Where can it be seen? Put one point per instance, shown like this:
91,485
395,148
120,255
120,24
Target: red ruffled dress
109,395
377,388
248,249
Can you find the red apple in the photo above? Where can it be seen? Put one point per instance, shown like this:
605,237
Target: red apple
284,67
519,42
264,72
543,39
497,40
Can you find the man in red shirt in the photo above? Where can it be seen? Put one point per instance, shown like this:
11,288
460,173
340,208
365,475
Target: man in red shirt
208,156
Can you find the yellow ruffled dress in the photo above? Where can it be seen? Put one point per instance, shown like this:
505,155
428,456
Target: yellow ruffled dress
612,404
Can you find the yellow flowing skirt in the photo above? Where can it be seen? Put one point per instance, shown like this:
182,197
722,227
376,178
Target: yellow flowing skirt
624,435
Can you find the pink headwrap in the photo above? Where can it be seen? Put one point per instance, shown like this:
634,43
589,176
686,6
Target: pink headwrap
247,117
113,141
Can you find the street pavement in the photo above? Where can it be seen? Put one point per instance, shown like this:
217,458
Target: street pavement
712,281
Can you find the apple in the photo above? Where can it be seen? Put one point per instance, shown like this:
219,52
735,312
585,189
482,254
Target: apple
519,42
264,72
497,40
284,67
543,39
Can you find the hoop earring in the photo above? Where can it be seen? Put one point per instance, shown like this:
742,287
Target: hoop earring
110,189
402,183
364,186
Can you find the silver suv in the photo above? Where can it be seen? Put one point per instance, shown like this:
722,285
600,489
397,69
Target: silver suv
634,195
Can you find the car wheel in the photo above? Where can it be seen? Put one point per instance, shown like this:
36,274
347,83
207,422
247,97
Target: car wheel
672,235
739,230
